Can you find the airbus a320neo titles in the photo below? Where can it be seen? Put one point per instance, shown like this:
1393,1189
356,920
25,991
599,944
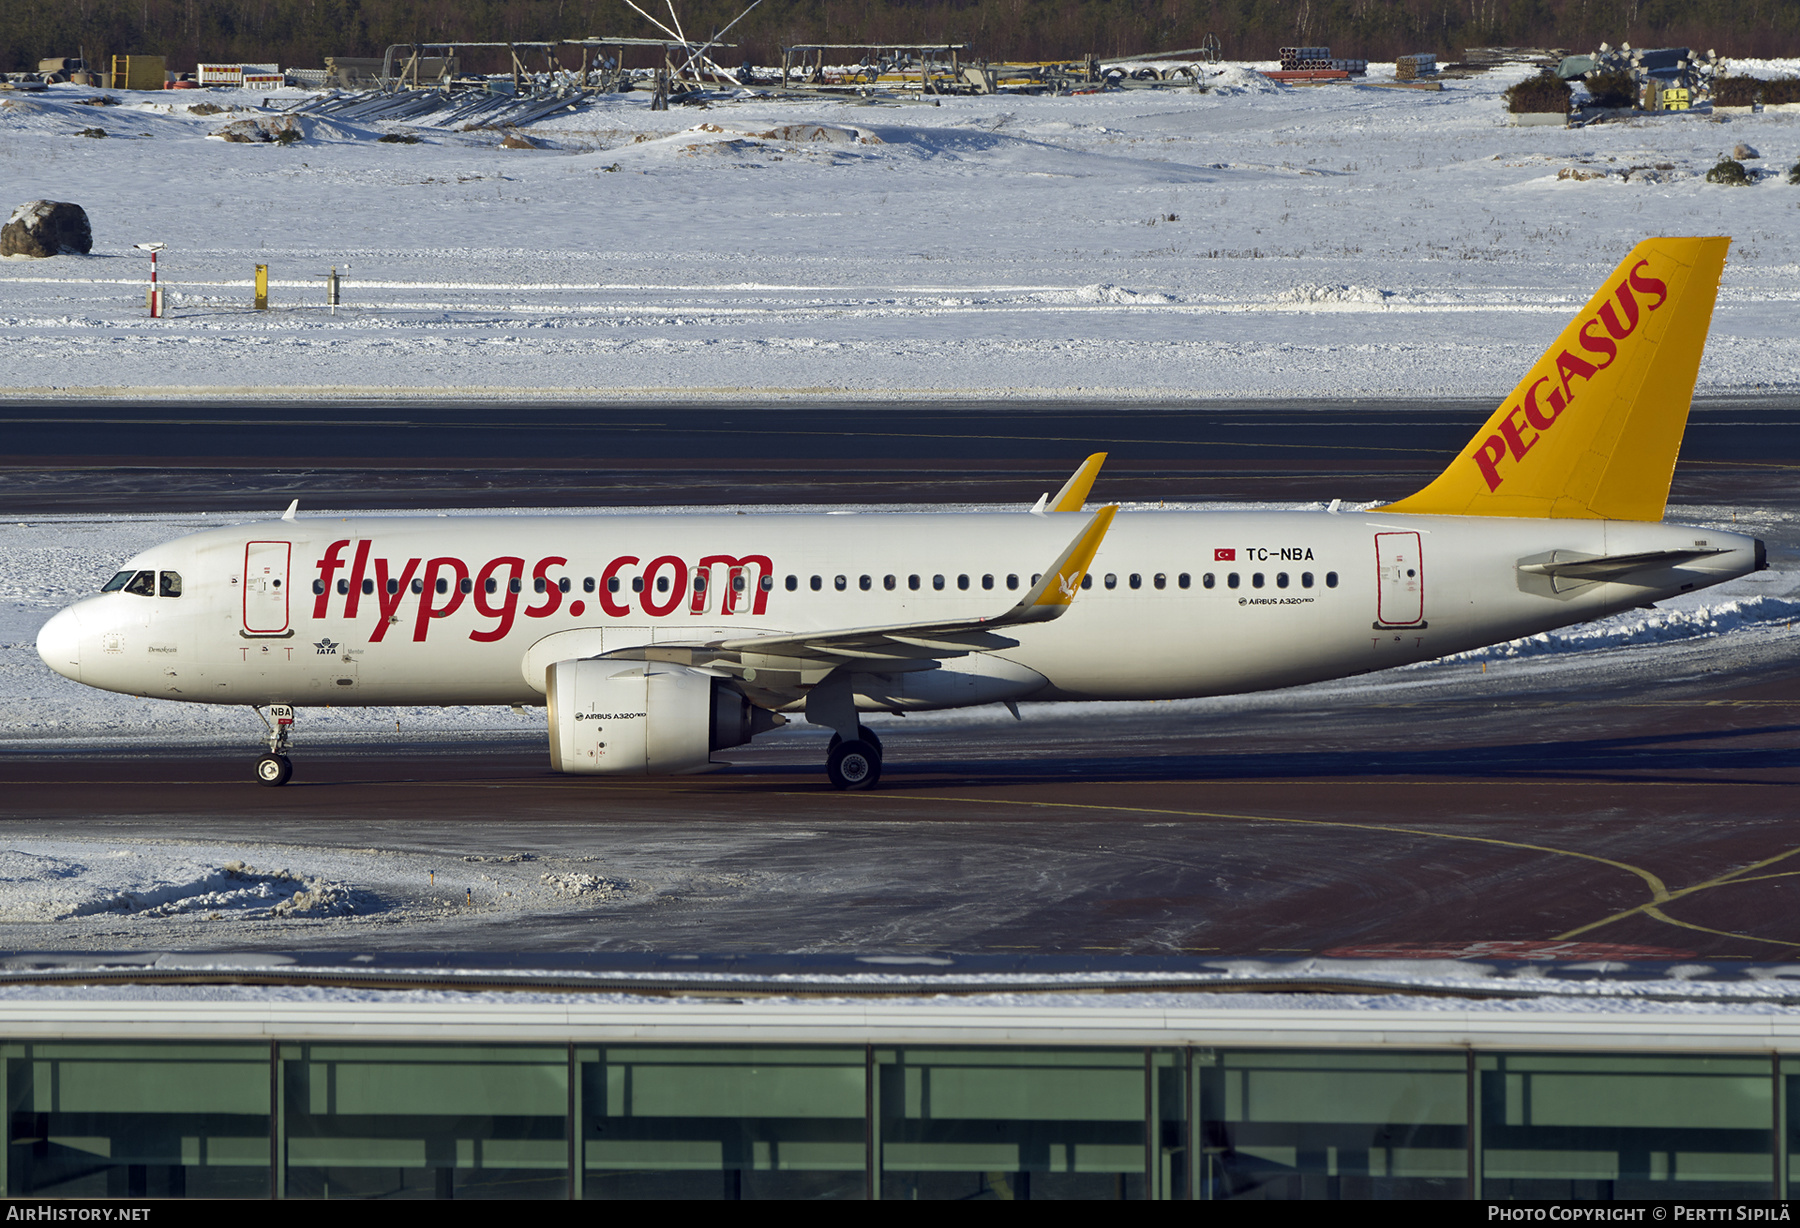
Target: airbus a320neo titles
654,641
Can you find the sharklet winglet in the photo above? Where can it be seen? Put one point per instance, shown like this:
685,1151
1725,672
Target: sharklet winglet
1074,492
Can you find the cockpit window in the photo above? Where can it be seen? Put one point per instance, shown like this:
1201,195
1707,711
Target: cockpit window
171,584
143,584
118,582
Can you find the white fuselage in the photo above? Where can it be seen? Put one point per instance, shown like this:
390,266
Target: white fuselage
1181,603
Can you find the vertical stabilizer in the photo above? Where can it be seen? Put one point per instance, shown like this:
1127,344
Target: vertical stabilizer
1593,430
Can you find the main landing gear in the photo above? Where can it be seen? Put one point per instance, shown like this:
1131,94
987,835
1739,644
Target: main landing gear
855,764
275,768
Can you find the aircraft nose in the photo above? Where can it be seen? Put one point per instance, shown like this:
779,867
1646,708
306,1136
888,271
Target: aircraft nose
59,644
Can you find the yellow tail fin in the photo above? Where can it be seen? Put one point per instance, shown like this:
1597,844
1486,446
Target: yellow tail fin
1593,431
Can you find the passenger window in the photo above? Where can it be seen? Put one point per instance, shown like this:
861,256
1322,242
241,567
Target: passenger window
1281,579
662,584
962,582
793,584
1112,581
699,582
394,586
1256,581
1231,581
612,584
1331,579
587,585
890,583
515,585
343,588
443,586
564,584
840,583
118,581
987,582
1087,581
1035,577
142,585
637,584
369,587
1162,581
912,582
468,586
1306,579
865,583
1137,581
318,588
1205,580
1012,581
818,583
418,586
538,584
937,582
766,583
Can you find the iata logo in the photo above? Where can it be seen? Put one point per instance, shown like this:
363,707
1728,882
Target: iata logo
325,647
1521,426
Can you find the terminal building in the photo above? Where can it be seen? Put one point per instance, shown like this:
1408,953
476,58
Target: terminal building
730,1093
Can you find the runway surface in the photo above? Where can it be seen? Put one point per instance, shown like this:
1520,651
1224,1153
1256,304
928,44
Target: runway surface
1616,806
62,458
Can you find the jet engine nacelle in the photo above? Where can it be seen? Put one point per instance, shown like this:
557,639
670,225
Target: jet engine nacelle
638,718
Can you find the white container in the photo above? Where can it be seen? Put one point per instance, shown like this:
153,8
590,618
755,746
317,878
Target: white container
1537,119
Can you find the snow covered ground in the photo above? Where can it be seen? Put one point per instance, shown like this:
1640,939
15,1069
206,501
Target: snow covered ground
1254,240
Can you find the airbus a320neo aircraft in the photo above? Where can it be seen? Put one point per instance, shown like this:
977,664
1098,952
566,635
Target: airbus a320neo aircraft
656,640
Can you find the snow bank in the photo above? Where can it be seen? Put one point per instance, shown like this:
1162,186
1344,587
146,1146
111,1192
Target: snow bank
144,882
1657,627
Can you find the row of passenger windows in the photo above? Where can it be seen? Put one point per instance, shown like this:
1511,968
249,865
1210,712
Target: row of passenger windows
841,583
1110,580
144,583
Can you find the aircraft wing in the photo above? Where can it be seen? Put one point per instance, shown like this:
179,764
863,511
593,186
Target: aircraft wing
922,641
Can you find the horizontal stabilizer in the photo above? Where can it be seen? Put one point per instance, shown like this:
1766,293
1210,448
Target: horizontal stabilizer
1610,566
1565,565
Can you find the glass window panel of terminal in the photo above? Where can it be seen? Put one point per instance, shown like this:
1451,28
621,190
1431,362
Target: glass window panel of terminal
1332,1125
451,1121
153,1120
1588,1126
981,1124
722,1122
1789,1091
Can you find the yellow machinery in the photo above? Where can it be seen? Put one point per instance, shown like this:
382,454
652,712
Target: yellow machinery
139,72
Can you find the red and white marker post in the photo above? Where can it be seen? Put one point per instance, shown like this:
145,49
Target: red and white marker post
155,297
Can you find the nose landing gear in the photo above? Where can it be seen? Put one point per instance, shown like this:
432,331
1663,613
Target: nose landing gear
275,768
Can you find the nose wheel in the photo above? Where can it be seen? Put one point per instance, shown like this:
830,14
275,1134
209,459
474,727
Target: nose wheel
275,768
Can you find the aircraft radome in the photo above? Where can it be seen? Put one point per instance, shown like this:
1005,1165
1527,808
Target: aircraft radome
656,640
